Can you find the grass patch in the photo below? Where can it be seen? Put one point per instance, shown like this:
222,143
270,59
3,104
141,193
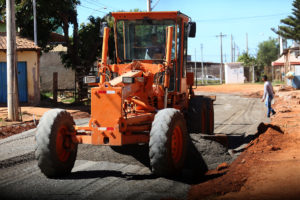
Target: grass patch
46,95
68,100
209,82
259,83
277,82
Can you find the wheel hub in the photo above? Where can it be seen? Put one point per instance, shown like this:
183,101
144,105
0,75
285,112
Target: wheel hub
177,144
63,144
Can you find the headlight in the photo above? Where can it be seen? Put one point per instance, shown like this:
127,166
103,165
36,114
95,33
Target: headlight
128,79
90,79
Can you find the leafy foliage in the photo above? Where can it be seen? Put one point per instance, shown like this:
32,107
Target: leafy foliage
247,60
267,52
83,44
89,43
50,16
291,27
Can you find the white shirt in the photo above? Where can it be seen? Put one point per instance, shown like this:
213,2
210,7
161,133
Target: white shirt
268,90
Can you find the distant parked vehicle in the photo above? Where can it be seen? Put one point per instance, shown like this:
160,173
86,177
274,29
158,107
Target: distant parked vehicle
209,78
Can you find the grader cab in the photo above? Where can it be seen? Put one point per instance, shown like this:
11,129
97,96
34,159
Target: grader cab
146,97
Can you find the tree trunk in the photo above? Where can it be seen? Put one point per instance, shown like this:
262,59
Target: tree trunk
81,87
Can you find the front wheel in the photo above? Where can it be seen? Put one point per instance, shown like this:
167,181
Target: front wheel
168,142
55,151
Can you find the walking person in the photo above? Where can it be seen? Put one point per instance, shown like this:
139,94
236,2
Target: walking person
268,95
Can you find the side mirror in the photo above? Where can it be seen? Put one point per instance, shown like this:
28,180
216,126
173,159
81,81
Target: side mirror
192,29
103,25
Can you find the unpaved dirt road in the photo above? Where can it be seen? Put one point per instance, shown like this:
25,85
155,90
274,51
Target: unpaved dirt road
112,173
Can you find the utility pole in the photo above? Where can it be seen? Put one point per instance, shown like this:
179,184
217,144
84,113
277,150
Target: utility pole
247,43
234,51
34,22
231,44
280,45
12,83
221,66
205,74
253,74
202,64
149,5
195,67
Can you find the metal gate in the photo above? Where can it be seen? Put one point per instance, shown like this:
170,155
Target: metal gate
22,82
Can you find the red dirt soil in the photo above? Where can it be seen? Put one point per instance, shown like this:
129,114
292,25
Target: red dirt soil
232,88
30,119
270,166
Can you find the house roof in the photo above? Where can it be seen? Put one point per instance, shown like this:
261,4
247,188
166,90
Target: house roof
285,51
279,62
293,60
23,44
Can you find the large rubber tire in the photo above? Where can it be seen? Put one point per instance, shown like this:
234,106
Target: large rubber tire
55,151
196,115
168,142
209,122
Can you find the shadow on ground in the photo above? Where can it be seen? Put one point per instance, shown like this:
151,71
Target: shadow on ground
238,139
194,168
204,153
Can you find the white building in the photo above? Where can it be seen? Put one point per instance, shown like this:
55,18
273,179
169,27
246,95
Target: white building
234,73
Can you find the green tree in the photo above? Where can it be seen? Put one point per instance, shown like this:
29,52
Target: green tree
50,16
83,56
249,62
83,44
268,52
291,27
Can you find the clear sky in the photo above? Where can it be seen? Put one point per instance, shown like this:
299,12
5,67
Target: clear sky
236,17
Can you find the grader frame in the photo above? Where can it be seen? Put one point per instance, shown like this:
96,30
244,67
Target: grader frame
146,97
109,97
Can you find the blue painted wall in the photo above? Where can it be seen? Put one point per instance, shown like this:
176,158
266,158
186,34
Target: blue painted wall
22,82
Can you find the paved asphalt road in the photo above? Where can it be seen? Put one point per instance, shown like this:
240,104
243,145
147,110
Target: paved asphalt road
122,173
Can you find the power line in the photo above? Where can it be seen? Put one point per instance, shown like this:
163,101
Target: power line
93,9
93,4
155,4
90,2
97,3
240,18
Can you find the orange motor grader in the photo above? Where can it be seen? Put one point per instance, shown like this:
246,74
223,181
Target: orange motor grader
145,97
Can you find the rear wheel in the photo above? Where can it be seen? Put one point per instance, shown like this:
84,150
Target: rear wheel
168,142
55,150
196,115
200,115
209,115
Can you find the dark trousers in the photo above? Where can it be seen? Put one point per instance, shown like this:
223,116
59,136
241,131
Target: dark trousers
268,104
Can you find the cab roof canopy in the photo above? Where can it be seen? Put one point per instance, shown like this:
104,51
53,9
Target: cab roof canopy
175,15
